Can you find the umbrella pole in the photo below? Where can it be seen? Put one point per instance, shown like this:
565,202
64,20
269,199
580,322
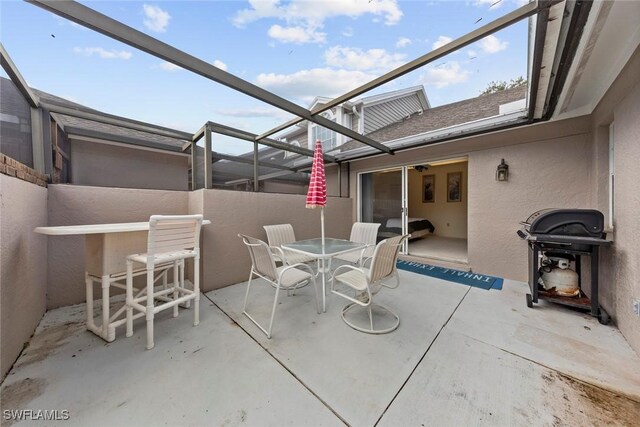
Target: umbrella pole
322,226
324,261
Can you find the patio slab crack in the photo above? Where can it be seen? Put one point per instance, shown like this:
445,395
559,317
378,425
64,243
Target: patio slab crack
422,358
278,361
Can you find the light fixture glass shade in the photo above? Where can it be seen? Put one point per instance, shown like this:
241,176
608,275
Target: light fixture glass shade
502,171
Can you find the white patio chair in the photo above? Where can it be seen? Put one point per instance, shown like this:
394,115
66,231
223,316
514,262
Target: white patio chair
172,239
362,232
280,234
286,277
366,282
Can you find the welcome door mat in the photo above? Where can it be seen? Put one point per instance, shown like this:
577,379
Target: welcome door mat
476,280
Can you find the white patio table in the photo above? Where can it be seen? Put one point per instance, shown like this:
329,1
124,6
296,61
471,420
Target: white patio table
106,249
331,248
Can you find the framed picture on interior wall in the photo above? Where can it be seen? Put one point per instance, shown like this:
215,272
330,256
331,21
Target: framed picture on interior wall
454,187
428,188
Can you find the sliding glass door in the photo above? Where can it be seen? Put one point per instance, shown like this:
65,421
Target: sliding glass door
383,199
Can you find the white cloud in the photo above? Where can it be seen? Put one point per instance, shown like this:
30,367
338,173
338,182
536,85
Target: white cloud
403,42
493,4
304,18
168,66
472,53
297,35
347,32
220,64
358,59
445,75
492,44
155,18
442,40
103,53
305,85
315,12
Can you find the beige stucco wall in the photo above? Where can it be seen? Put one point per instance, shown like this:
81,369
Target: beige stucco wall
545,174
114,166
621,262
77,205
549,166
23,267
226,259
626,215
449,218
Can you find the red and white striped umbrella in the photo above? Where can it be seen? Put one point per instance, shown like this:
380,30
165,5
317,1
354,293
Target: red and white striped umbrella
317,194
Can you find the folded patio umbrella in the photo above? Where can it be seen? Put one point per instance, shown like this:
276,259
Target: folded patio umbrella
317,194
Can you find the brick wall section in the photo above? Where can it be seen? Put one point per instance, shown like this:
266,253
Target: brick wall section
11,167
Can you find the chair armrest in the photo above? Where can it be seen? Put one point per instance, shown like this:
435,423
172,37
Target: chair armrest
345,296
348,267
276,250
299,265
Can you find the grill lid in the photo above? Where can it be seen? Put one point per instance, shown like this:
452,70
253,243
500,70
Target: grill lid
567,222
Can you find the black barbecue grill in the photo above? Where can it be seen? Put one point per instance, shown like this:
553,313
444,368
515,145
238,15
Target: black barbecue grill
568,233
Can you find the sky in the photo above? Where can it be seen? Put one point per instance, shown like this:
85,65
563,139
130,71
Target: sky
298,49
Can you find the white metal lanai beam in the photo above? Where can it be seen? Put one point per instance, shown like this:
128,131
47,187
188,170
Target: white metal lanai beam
110,27
249,136
519,14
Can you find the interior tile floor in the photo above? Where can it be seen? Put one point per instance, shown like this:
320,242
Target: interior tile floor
461,356
439,248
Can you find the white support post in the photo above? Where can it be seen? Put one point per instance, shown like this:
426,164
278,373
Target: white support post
106,283
89,291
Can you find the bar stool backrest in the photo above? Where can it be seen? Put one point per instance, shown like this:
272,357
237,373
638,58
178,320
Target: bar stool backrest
172,233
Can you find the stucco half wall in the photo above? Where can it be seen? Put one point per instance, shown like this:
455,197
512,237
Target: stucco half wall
78,205
23,267
225,259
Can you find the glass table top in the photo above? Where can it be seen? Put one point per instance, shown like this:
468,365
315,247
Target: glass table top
332,246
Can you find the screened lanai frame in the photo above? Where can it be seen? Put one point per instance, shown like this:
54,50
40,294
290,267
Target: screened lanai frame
96,21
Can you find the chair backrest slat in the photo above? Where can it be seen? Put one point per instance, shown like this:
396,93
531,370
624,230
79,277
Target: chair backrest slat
279,234
261,257
171,233
385,257
364,232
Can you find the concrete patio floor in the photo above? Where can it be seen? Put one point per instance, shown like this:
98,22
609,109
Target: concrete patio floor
461,356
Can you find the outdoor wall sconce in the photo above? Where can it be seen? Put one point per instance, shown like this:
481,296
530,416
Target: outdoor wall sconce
502,171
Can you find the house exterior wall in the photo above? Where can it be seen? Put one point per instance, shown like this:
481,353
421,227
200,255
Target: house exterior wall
23,267
380,115
106,165
549,166
555,164
543,174
78,205
449,218
300,135
225,259
620,263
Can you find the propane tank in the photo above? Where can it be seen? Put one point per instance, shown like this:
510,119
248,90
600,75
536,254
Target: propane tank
556,273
